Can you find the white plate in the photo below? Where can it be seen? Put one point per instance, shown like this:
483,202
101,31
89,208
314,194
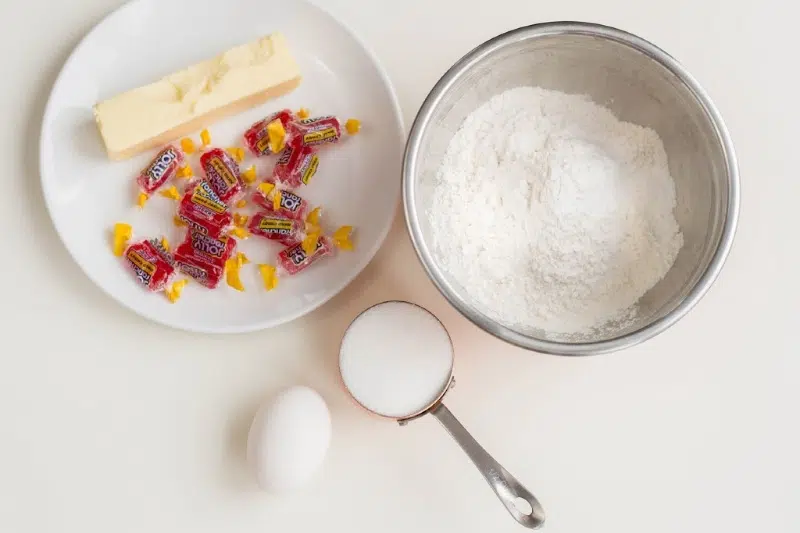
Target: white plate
358,181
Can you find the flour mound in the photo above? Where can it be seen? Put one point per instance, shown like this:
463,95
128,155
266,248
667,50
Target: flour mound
552,213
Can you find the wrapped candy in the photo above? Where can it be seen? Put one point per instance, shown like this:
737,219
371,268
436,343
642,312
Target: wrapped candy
152,265
315,131
164,166
280,202
295,259
222,174
296,165
257,137
285,230
204,211
203,257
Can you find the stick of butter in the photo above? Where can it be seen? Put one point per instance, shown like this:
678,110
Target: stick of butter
183,102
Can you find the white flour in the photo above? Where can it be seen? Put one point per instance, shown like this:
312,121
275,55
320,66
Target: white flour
552,213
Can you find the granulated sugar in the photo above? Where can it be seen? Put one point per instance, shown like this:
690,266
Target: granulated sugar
552,213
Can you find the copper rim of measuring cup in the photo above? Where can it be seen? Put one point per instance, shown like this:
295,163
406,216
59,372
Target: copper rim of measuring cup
505,486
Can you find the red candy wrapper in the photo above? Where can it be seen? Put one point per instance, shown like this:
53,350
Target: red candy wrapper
314,131
287,231
294,259
222,173
291,205
256,137
203,257
204,211
163,167
152,265
296,165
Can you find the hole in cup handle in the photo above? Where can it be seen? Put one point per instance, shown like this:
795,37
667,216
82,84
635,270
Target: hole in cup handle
504,485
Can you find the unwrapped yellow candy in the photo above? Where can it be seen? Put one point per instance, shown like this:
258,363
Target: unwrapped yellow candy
232,267
242,259
237,153
341,238
205,137
303,112
178,221
173,292
165,243
241,203
240,233
353,126
268,189
314,216
277,135
122,234
171,193
141,199
240,220
185,172
249,176
187,145
269,275
309,243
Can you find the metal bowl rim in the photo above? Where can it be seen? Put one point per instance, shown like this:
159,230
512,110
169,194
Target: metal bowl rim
489,325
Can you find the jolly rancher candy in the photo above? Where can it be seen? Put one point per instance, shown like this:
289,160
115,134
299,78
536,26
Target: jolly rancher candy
222,173
313,132
164,166
295,259
203,210
287,231
316,131
150,262
257,137
270,197
203,257
296,165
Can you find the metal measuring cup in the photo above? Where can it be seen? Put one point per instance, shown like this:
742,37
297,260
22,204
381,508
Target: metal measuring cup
505,486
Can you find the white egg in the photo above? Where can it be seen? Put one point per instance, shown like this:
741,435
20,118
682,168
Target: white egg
288,439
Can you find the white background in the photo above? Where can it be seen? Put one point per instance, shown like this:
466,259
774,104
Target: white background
110,423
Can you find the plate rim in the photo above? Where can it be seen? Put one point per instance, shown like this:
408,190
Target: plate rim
262,324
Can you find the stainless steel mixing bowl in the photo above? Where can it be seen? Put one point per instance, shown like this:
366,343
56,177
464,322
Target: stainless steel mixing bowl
640,83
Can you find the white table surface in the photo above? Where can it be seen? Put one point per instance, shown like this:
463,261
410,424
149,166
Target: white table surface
111,423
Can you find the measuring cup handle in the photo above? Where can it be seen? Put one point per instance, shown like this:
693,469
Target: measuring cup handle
507,488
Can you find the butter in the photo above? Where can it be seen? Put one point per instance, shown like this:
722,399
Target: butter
185,101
